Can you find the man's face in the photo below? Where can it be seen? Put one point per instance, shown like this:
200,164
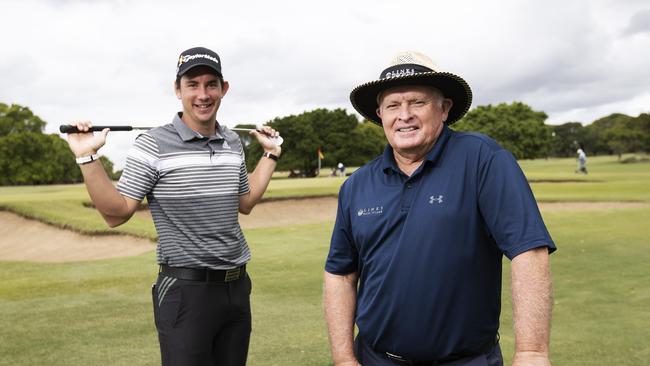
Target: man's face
412,117
200,92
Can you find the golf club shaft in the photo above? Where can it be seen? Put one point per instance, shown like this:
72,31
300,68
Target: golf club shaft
237,129
73,129
278,140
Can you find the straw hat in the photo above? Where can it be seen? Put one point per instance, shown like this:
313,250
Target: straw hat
413,68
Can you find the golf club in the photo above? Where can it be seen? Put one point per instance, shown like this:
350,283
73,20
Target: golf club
276,140
73,129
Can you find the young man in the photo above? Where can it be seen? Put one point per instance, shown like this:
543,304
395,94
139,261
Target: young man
415,256
193,174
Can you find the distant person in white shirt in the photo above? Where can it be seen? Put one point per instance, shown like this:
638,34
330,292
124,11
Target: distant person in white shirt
582,162
341,169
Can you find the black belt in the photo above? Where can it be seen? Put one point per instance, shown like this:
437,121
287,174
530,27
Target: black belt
399,360
204,274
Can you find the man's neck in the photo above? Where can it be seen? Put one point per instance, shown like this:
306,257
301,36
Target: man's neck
206,129
409,161
408,164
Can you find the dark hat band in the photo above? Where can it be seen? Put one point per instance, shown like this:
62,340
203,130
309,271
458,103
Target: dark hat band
403,70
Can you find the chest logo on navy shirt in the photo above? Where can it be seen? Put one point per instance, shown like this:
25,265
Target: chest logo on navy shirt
377,210
434,199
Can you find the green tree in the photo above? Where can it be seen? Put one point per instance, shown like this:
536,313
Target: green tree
567,138
597,131
35,158
517,127
27,156
626,135
643,121
16,119
339,136
367,141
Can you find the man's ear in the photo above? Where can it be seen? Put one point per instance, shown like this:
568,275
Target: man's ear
224,88
447,104
446,107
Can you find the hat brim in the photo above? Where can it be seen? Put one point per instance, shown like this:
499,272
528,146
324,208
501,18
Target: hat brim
190,66
364,97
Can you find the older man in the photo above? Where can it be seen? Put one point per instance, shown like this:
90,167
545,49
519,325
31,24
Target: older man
415,256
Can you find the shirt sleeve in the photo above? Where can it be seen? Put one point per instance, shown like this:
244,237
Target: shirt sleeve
244,187
508,207
343,255
140,173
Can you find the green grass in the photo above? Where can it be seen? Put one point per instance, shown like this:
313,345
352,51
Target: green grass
608,180
99,312
92,313
601,288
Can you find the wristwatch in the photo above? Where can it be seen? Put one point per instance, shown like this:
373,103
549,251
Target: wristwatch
270,156
87,159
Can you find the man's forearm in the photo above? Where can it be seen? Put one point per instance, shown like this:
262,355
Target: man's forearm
339,300
532,298
258,181
109,202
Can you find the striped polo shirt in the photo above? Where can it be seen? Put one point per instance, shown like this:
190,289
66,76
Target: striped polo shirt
192,184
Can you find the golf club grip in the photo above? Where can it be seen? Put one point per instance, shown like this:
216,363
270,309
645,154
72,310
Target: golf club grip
73,129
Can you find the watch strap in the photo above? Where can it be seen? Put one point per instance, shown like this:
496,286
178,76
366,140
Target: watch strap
270,156
87,159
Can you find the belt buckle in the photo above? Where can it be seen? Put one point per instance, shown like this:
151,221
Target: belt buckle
398,358
232,274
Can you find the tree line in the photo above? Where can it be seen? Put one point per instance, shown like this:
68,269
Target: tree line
29,156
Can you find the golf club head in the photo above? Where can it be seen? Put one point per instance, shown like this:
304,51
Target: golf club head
278,140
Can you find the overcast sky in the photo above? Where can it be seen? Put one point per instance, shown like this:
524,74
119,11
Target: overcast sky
113,61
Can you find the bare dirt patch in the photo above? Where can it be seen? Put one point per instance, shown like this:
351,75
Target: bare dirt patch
29,240
284,212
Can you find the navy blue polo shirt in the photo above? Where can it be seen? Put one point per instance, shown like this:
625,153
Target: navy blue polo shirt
428,248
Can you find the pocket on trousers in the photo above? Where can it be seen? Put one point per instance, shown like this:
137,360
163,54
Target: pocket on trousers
167,298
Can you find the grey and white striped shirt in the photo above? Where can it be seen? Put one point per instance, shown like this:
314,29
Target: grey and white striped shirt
192,184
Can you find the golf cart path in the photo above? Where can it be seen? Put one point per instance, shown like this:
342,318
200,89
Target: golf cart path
23,239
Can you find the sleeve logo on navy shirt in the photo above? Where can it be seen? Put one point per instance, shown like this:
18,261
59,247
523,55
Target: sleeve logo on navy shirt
377,210
433,199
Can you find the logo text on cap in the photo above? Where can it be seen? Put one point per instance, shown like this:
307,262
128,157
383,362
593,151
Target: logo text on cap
185,58
400,72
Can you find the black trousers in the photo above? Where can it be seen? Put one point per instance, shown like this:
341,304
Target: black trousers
202,323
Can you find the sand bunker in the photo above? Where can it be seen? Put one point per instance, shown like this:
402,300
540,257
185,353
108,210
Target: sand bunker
22,239
29,240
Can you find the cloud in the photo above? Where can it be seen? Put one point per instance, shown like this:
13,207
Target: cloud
639,23
113,61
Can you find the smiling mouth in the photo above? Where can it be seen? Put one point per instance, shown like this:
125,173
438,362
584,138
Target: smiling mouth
204,106
407,129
